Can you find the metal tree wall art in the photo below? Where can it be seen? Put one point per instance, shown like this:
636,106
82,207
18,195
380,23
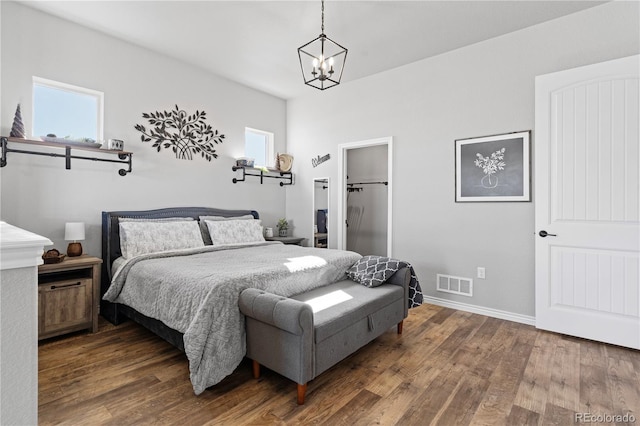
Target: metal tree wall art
186,134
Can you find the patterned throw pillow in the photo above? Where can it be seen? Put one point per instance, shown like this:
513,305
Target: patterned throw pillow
137,238
371,271
235,231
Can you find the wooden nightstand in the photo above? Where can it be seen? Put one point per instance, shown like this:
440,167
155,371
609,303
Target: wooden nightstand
68,296
286,240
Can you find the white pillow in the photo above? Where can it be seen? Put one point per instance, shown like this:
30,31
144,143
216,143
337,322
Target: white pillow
205,230
224,232
138,238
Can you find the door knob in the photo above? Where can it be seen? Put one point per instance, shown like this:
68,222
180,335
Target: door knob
544,233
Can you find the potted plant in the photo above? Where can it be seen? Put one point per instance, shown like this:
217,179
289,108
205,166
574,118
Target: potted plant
283,227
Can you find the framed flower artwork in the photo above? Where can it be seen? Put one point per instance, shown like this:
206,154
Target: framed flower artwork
494,168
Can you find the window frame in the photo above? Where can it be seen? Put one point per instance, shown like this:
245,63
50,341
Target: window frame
98,95
269,149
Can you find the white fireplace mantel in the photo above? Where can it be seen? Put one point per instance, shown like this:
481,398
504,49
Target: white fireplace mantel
20,248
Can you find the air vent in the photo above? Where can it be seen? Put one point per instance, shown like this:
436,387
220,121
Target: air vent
455,285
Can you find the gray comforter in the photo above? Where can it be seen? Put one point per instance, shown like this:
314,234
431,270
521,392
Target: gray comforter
196,292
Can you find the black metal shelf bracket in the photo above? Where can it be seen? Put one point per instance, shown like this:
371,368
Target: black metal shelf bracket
3,160
287,177
124,158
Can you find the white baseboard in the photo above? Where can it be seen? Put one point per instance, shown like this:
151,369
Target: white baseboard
495,313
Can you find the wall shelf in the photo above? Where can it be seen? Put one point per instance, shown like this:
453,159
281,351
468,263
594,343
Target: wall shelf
125,157
271,174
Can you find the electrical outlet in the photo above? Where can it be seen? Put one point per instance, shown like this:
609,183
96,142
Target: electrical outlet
481,272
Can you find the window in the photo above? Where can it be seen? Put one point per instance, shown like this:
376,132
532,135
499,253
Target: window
258,145
66,111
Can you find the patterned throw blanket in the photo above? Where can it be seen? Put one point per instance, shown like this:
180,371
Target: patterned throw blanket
196,291
371,271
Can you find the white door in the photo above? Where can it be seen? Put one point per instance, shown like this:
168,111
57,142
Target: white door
587,200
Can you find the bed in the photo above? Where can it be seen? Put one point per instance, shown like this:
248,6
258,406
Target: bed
188,296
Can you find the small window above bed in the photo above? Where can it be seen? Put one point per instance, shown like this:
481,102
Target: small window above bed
67,111
258,144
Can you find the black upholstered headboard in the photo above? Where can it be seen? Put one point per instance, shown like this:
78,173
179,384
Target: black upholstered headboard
111,230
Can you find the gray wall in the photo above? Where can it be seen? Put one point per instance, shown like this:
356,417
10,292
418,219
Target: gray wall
483,89
39,195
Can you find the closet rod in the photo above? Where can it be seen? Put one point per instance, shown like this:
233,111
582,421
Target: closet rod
369,183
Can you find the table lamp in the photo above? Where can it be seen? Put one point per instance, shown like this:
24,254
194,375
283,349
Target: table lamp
74,231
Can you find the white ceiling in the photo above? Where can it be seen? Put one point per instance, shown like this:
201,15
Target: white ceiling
255,42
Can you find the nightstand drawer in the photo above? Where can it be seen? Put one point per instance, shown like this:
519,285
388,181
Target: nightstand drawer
65,306
68,296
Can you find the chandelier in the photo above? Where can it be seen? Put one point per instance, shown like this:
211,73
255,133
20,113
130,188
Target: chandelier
322,60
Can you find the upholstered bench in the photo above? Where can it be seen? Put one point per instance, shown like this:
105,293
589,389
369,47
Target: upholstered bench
302,336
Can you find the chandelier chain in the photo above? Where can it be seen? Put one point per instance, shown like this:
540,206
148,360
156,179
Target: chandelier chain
322,32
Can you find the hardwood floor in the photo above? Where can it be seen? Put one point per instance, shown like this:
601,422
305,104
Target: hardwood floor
448,367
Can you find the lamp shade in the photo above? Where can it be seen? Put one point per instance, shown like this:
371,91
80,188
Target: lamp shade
74,231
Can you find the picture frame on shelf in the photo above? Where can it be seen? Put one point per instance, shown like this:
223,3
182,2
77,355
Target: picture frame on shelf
493,168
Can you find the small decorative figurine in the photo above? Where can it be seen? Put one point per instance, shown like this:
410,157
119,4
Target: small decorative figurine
17,130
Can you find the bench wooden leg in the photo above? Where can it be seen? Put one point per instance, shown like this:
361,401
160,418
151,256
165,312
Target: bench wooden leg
400,327
256,369
302,389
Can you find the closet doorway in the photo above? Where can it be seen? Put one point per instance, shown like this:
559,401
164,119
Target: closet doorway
364,196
